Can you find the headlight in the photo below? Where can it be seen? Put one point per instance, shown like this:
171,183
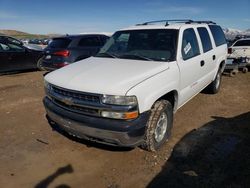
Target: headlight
47,85
119,100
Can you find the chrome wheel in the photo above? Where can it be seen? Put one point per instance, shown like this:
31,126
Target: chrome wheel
161,127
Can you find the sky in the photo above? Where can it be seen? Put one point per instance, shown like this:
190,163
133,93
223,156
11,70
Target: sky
78,16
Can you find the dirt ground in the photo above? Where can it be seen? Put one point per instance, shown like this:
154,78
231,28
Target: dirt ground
209,147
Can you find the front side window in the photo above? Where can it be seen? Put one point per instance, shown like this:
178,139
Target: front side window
190,47
11,47
148,44
242,43
218,35
205,39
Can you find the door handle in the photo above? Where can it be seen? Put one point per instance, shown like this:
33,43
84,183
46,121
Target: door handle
202,63
214,57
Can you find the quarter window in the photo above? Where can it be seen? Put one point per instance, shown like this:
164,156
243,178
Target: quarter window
190,47
205,39
218,35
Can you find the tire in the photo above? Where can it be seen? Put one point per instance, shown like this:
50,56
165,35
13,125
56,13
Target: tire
214,87
39,64
245,70
232,73
161,118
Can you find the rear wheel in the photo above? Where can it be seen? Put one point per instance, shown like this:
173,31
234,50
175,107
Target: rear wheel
159,125
214,87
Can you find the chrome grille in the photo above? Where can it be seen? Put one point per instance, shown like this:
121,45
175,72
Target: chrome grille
76,95
79,102
79,109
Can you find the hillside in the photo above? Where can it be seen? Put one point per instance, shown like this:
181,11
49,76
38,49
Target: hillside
21,35
232,33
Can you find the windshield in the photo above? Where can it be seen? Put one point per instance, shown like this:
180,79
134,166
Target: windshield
154,44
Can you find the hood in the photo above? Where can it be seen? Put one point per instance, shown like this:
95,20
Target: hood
105,75
33,47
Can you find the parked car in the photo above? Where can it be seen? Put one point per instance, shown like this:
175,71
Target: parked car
127,94
240,49
36,41
62,51
14,56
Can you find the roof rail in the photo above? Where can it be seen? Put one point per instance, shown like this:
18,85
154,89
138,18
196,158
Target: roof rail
186,21
167,21
205,21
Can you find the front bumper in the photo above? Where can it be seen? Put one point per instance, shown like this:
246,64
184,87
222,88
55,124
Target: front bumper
109,131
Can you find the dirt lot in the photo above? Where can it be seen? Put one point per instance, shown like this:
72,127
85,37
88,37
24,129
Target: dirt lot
210,144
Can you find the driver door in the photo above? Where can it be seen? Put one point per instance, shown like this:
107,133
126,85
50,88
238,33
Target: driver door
17,56
4,57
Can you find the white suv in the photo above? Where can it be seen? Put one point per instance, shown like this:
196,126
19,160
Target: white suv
126,95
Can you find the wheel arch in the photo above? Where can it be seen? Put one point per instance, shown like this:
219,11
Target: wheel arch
172,97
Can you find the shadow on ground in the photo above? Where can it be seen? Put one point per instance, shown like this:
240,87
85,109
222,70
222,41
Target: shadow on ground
215,155
48,180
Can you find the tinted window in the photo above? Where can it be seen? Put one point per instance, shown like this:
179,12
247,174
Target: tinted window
14,41
190,47
205,39
242,43
16,48
60,43
4,47
89,42
11,47
155,44
218,35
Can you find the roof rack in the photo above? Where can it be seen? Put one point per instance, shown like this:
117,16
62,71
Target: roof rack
186,21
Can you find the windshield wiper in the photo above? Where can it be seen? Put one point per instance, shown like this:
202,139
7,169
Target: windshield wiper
136,56
106,54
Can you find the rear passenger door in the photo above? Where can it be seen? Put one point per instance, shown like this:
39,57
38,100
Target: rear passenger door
190,65
89,46
209,56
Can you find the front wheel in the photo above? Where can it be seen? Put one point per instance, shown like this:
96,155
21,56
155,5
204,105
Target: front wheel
159,125
214,87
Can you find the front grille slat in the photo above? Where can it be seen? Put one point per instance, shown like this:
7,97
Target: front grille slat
76,96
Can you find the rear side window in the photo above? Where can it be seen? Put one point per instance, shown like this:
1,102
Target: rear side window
205,39
190,47
89,42
60,43
242,43
218,35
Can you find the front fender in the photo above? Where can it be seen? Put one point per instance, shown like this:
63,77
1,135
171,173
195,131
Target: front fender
150,90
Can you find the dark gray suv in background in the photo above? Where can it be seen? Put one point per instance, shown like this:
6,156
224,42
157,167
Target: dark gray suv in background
68,49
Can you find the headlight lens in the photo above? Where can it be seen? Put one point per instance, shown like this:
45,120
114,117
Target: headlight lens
47,85
119,100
